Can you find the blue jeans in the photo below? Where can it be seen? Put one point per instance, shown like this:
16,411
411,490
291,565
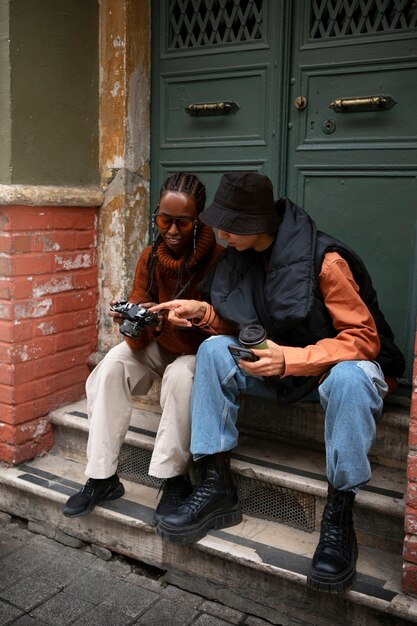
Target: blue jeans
351,395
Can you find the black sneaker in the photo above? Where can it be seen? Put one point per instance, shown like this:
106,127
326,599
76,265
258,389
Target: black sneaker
94,491
175,490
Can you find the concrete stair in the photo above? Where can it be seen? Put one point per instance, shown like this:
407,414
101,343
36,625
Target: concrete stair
260,565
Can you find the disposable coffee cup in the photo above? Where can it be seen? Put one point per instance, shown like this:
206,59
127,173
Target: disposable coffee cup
253,336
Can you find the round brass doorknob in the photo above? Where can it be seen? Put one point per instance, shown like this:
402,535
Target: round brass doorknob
300,103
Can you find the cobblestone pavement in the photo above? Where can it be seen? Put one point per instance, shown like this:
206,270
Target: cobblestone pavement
44,582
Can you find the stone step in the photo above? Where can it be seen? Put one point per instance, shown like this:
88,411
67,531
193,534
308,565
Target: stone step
303,424
276,481
258,566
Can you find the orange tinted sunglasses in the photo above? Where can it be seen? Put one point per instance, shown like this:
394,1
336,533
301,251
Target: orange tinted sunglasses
184,224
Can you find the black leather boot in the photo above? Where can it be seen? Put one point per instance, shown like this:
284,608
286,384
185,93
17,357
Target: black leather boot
212,504
174,491
333,566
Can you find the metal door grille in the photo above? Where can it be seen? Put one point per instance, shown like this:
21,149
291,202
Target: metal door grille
343,18
195,23
257,498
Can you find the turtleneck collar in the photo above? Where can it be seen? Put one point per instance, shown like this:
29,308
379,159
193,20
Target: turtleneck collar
204,244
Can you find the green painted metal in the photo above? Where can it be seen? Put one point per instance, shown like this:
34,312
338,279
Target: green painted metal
355,171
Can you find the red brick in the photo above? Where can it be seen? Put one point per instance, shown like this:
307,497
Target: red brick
410,548
7,395
68,395
73,261
22,287
25,218
6,265
22,331
72,377
85,299
54,324
6,310
6,330
47,284
35,308
409,578
85,278
410,520
79,337
30,410
88,318
32,264
86,239
28,431
5,288
7,413
411,494
6,375
16,374
5,242
61,361
412,467
80,218
412,434
53,241
74,301
30,390
28,450
20,243
43,346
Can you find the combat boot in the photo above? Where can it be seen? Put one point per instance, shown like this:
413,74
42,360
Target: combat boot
212,504
333,566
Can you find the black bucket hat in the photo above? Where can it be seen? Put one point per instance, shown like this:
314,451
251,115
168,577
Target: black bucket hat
243,205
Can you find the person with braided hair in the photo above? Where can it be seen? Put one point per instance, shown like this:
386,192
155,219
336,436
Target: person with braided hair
182,251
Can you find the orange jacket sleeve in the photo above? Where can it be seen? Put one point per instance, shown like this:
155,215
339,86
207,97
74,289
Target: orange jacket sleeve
356,338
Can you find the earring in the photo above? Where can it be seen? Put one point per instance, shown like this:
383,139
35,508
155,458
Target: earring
194,236
153,226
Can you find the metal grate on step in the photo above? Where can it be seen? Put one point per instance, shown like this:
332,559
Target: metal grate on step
134,466
278,504
257,498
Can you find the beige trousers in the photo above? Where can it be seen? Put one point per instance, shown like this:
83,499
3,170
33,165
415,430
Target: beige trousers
110,387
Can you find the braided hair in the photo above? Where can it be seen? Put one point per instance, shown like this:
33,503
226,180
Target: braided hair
181,182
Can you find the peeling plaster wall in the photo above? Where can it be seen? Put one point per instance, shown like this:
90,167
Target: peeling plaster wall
5,112
124,151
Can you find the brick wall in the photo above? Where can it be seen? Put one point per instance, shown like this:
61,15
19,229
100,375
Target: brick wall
410,541
48,293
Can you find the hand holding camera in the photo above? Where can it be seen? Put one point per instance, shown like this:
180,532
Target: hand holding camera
134,318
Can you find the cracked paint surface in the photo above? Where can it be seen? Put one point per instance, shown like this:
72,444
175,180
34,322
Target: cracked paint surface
124,153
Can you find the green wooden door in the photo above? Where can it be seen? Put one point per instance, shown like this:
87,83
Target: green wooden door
354,171
215,53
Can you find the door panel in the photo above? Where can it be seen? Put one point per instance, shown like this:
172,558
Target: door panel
322,87
355,171
246,126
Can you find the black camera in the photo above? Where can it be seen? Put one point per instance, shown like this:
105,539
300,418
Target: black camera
135,318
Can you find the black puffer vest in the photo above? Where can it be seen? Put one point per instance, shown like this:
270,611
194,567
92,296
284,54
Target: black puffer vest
285,298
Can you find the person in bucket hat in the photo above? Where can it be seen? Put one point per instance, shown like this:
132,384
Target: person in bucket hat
326,336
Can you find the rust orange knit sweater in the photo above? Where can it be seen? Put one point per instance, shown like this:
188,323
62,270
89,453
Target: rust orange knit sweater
169,277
